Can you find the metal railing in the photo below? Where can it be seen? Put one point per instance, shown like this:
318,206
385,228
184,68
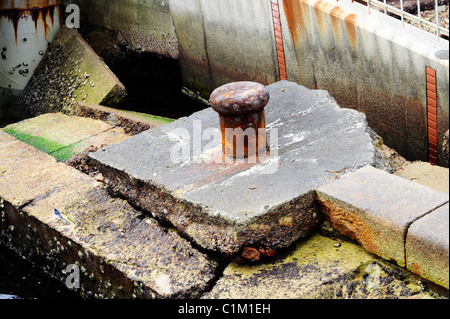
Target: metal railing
416,20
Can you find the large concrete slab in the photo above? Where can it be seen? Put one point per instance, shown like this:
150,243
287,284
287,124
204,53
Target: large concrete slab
120,252
427,246
226,207
27,173
71,71
376,209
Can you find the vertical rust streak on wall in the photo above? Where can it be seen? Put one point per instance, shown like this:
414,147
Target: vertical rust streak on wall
295,14
37,14
350,22
335,21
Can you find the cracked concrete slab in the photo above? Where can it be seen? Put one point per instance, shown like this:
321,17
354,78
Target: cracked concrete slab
226,207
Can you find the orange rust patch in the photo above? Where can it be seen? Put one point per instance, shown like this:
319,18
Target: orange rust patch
349,224
296,15
336,22
350,22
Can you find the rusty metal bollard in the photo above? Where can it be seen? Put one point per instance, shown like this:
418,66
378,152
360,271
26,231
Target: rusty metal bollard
242,119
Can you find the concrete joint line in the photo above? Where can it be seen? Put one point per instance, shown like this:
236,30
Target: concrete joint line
408,227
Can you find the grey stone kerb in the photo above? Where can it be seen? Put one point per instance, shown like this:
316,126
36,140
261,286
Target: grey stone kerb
226,207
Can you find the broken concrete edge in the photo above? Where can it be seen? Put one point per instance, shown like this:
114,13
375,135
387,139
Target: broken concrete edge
71,71
116,268
252,246
413,244
132,122
218,234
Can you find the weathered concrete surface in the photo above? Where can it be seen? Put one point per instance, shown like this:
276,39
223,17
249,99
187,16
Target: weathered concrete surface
132,122
71,71
64,136
368,62
224,41
144,25
319,268
376,209
225,207
435,177
121,252
26,173
427,246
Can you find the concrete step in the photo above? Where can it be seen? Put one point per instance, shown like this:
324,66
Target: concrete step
386,214
64,136
119,252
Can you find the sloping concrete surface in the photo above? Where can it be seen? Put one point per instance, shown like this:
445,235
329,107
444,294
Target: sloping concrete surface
71,71
435,177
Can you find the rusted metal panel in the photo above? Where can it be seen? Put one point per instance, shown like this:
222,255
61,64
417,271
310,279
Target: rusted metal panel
27,27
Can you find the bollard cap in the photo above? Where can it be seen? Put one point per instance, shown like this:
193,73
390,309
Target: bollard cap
239,98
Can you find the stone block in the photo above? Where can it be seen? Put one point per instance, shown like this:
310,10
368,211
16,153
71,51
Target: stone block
71,71
427,246
376,209
27,173
64,136
120,252
118,246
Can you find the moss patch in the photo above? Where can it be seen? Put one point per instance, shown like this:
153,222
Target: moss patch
58,151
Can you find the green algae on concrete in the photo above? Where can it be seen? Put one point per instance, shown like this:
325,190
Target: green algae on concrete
319,268
71,71
64,136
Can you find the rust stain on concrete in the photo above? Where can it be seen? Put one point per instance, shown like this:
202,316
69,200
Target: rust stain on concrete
335,16
297,17
350,21
39,10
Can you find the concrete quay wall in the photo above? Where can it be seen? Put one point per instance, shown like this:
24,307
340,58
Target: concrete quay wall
368,62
